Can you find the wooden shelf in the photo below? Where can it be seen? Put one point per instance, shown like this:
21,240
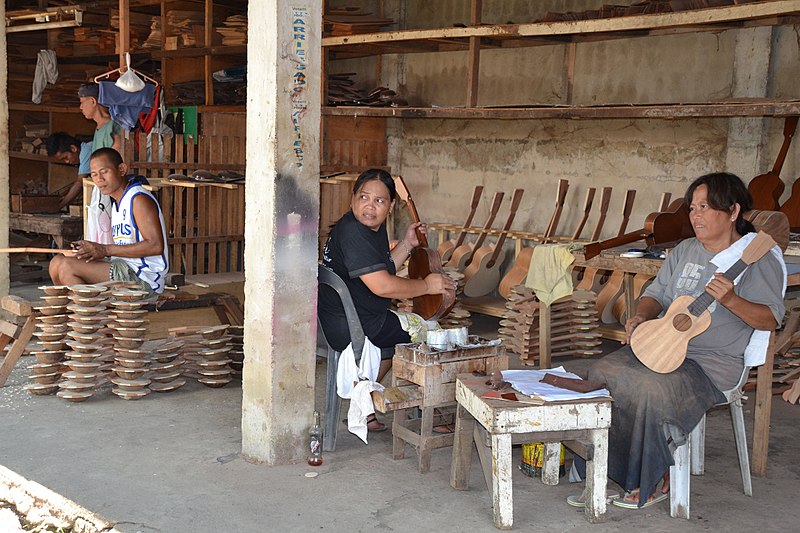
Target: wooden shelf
739,108
202,51
31,157
539,33
46,108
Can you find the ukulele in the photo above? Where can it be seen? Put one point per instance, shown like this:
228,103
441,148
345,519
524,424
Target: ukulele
766,189
482,275
446,248
522,263
422,262
463,254
660,344
659,228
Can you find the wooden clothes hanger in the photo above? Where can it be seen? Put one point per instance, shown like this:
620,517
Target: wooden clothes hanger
123,69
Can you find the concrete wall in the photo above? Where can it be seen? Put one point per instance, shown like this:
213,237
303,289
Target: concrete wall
443,159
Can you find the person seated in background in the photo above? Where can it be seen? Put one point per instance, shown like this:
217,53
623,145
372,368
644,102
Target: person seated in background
68,150
358,251
137,224
652,413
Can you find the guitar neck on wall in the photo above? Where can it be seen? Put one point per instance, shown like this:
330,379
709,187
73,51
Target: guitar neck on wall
462,255
482,275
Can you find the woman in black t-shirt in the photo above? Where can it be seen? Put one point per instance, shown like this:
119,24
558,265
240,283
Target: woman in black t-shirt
358,251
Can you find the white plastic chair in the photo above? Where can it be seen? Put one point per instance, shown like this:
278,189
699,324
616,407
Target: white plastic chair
690,457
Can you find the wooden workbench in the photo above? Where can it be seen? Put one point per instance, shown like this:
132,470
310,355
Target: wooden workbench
62,228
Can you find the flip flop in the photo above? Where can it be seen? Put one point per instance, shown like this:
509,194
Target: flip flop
577,500
444,428
620,502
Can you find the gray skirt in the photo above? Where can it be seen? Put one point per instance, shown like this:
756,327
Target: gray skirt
651,414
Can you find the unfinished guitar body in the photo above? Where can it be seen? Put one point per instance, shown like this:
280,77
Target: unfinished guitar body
661,344
481,278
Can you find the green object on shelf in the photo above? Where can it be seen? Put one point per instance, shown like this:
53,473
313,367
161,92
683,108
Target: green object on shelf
189,121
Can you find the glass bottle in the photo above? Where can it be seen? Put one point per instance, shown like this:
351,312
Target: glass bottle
315,442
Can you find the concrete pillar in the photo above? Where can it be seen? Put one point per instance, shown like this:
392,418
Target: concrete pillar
4,143
745,156
281,218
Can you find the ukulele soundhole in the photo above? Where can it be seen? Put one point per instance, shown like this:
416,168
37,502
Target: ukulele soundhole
682,322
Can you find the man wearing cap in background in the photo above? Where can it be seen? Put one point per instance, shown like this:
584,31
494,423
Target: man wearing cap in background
68,150
106,135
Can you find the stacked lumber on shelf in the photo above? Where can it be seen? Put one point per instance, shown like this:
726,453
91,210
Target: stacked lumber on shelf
573,325
193,93
350,20
342,91
141,29
234,30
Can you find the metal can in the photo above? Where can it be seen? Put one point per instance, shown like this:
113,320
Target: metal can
533,458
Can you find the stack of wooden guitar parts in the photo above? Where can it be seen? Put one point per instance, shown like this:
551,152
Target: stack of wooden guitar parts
236,345
89,343
458,317
166,372
207,354
573,325
51,334
132,361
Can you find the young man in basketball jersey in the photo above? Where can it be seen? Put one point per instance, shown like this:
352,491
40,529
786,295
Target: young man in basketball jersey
137,225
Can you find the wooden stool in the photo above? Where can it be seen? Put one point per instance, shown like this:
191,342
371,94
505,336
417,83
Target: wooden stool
17,324
506,423
435,374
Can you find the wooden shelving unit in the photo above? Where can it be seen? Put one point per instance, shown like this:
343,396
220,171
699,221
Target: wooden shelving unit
477,37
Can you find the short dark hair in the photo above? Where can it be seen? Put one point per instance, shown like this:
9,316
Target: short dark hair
60,142
110,153
376,174
91,90
725,190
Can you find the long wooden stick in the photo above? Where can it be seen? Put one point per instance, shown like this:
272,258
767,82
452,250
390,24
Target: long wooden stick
36,251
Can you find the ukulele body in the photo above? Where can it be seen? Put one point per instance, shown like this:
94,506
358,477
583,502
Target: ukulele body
480,278
424,261
446,250
462,254
660,344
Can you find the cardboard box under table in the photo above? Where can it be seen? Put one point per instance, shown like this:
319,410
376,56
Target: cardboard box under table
430,377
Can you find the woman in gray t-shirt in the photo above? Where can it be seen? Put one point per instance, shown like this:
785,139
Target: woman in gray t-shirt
646,402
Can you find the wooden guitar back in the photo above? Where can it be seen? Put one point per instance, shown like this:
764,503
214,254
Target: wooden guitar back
791,208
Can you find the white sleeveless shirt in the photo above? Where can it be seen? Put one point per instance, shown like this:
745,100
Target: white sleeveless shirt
152,269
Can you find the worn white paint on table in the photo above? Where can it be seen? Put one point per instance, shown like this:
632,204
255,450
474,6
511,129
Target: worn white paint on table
508,423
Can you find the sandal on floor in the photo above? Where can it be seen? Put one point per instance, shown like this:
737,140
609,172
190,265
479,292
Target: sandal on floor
444,428
620,502
577,500
375,425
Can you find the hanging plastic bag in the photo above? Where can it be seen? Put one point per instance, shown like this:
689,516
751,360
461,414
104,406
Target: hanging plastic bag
129,81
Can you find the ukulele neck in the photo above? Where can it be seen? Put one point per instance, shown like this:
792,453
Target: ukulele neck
702,302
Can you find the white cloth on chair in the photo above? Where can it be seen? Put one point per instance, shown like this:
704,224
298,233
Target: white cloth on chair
348,372
361,407
756,352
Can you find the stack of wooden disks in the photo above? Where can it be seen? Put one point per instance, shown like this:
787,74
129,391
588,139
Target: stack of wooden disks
88,318
129,328
237,349
166,367
52,336
573,325
214,361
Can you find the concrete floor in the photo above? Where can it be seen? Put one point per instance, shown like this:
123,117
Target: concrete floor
171,463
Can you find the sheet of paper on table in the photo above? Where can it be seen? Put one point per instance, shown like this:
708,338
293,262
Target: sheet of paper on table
529,382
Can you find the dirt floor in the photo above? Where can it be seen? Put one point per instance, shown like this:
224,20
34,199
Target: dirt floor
171,463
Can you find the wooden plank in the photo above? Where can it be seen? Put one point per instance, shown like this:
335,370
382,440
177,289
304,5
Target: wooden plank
631,23
763,411
189,223
473,71
754,108
16,350
178,228
214,215
16,305
392,398
202,230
